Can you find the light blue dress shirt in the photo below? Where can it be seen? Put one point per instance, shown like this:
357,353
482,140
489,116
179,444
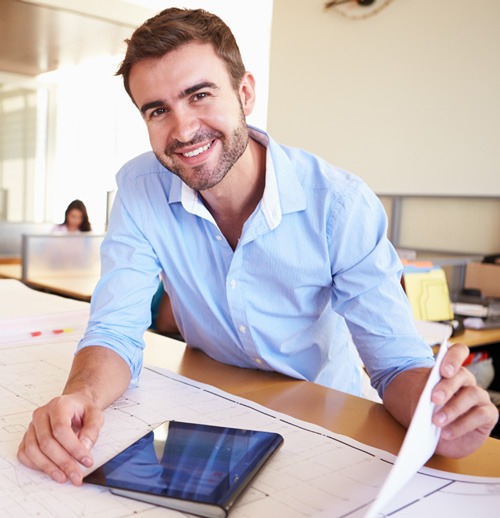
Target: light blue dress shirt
312,268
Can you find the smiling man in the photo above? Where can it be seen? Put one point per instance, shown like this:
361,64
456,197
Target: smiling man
201,154
271,257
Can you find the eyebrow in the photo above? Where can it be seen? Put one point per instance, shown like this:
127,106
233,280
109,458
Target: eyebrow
188,91
148,106
199,86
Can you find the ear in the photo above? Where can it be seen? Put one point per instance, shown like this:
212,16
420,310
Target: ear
247,93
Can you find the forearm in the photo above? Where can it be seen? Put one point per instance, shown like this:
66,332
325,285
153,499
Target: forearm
100,374
402,394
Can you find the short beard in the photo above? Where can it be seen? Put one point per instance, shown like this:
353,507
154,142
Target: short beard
205,178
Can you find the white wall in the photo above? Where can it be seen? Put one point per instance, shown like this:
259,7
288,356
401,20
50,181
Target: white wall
408,99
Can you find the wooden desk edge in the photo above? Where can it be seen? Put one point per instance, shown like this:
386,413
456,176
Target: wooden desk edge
56,289
360,419
475,338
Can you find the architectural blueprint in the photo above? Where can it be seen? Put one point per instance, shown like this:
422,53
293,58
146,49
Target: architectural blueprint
315,473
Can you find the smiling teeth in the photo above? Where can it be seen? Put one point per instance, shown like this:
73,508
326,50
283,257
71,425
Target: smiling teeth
196,152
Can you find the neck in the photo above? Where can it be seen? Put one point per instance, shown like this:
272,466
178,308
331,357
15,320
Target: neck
233,200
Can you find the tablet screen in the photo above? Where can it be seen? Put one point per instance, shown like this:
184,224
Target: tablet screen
189,461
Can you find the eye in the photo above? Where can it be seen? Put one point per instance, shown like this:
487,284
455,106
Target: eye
200,95
154,114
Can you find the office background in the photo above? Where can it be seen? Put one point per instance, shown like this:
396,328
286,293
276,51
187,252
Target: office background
66,123
407,99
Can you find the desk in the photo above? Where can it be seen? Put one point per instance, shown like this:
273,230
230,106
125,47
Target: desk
359,418
78,287
475,338
81,288
10,271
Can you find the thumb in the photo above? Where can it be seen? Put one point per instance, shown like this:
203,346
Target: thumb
91,427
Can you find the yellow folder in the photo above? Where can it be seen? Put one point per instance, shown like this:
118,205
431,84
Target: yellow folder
428,293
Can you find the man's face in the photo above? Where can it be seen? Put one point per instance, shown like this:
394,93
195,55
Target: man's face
195,118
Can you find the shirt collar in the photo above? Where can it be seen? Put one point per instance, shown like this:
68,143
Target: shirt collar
283,192
189,198
270,203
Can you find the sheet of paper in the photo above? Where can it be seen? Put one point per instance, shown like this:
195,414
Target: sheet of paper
419,444
432,332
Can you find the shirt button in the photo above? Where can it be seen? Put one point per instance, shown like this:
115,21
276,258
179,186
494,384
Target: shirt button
233,284
219,238
258,361
243,329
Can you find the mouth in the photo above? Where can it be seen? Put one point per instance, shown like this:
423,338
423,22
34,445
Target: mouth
197,151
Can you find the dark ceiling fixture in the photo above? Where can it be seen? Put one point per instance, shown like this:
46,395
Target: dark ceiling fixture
357,9
333,3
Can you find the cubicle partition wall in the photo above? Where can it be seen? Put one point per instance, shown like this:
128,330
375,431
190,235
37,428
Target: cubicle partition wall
11,236
4,193
451,231
110,198
61,256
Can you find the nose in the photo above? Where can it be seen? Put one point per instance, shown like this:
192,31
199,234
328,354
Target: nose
185,125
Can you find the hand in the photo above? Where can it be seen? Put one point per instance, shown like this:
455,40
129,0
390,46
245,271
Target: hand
467,415
60,437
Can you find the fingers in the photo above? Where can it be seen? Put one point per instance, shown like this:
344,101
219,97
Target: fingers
89,432
38,455
449,386
59,439
465,431
80,436
464,411
453,360
469,408
453,374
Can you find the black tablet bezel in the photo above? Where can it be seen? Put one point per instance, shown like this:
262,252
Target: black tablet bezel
116,473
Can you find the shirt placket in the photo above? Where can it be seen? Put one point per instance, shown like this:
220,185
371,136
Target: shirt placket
236,280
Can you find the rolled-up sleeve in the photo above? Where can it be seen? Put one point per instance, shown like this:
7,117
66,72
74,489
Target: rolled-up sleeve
120,305
367,290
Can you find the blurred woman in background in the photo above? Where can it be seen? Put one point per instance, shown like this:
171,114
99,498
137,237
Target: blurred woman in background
76,219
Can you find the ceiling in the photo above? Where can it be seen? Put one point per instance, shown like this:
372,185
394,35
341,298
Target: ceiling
36,39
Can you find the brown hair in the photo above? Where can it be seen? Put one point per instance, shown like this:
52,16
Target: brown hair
174,27
85,225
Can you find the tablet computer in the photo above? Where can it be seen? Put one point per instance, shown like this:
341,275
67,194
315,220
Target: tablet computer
196,468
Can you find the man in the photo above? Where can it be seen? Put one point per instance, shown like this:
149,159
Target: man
271,257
